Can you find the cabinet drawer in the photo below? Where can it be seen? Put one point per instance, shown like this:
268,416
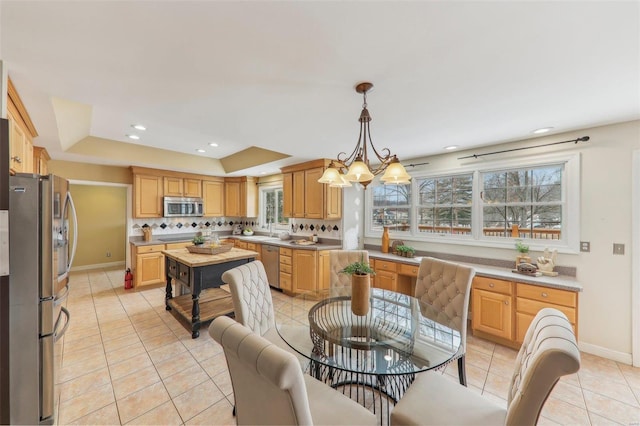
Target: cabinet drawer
149,249
385,265
252,246
173,267
285,260
531,307
183,273
410,270
492,284
285,281
285,268
241,244
285,251
547,295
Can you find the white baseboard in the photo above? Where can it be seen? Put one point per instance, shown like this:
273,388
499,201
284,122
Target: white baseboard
622,357
98,266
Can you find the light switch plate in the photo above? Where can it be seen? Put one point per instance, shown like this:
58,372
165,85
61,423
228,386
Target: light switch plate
585,246
618,248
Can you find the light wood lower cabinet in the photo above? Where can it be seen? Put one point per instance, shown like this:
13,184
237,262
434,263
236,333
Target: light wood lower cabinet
305,270
503,310
257,248
149,265
386,275
286,269
492,307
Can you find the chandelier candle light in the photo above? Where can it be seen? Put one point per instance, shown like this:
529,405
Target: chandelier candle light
355,167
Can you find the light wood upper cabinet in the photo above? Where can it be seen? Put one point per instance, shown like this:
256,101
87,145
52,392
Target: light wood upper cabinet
240,197
182,187
21,133
213,197
287,193
173,187
40,160
192,187
147,196
305,197
298,194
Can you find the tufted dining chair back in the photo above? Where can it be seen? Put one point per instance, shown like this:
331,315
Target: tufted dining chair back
251,296
446,286
548,352
338,259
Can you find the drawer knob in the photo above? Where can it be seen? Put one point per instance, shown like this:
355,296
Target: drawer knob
182,274
173,268
492,285
545,294
506,302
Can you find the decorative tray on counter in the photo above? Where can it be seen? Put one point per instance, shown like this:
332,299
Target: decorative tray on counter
207,249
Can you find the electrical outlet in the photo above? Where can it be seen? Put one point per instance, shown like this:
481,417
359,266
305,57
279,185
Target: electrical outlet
585,246
618,248
108,254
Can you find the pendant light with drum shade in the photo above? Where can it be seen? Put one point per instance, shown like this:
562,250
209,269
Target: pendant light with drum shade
355,167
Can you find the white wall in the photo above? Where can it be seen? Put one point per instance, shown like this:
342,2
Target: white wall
605,215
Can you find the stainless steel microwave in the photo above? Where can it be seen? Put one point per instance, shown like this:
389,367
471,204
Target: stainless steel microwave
182,206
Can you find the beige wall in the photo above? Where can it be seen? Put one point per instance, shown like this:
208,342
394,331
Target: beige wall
605,218
90,172
101,223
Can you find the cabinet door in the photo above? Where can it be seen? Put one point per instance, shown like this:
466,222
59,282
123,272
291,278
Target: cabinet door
323,270
385,280
232,199
17,138
192,187
148,196
314,194
333,205
287,194
492,313
298,194
173,187
28,156
305,270
213,198
149,269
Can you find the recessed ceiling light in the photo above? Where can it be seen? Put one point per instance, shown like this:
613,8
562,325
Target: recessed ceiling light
213,144
138,127
542,130
135,137
200,150
451,147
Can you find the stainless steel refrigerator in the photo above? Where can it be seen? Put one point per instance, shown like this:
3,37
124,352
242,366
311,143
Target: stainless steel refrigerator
40,256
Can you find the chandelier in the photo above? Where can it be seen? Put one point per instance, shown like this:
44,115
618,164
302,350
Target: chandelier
356,167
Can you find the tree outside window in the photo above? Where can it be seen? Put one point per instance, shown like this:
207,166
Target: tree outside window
391,207
445,204
271,208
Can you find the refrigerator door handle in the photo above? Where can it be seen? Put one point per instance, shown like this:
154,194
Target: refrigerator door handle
59,334
75,230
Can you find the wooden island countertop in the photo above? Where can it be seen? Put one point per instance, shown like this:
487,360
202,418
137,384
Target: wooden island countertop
184,256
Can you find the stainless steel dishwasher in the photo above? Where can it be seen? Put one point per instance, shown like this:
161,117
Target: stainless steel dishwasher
271,261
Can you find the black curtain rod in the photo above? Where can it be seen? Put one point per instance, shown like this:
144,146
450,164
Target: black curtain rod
582,139
417,164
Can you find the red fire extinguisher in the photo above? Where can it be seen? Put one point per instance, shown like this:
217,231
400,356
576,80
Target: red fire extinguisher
128,279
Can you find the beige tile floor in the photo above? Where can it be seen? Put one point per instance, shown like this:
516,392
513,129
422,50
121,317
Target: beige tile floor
125,360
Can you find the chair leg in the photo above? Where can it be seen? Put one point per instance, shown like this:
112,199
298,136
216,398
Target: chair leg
462,372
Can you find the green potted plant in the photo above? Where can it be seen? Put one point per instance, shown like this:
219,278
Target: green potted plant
406,251
523,250
360,284
198,240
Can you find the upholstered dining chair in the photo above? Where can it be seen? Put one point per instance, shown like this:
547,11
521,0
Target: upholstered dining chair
253,304
338,259
549,351
446,286
270,389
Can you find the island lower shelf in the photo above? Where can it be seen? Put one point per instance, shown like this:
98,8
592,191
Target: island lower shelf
214,302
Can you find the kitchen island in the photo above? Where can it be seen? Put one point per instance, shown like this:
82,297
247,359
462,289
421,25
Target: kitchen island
201,275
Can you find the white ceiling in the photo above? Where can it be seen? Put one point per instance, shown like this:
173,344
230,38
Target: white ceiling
280,75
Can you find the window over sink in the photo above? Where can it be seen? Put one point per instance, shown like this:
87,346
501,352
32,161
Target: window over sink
271,215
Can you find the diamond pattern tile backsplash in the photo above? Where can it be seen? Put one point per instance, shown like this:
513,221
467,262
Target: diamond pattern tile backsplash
175,225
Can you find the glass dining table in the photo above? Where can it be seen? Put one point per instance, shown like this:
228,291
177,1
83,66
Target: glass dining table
372,358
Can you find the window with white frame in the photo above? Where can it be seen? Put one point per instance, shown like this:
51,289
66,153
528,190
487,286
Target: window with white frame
489,204
271,208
